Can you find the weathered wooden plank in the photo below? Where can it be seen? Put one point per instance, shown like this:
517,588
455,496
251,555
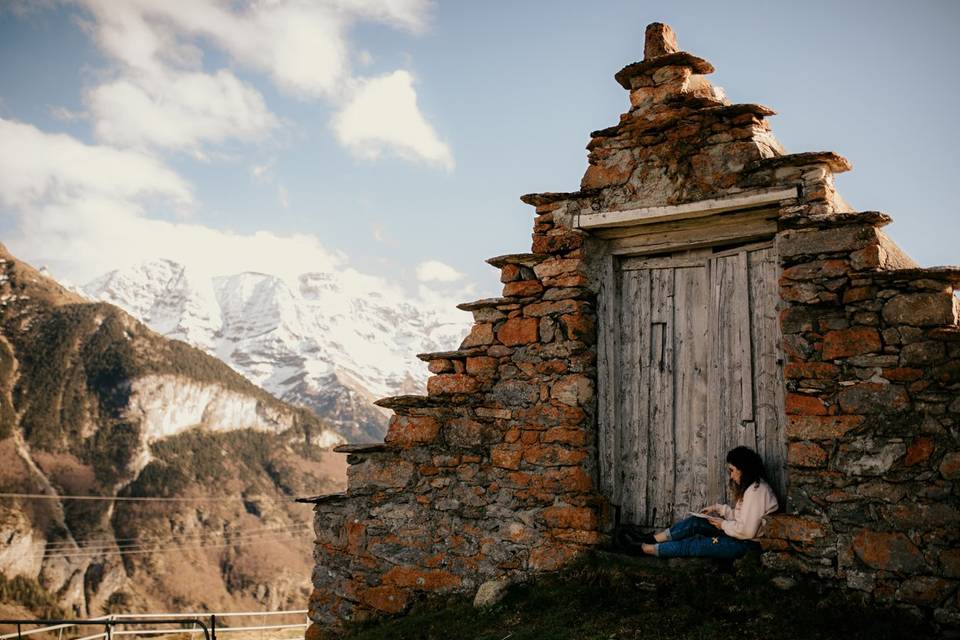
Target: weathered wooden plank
689,210
607,348
627,342
627,386
724,371
641,400
662,441
738,229
691,303
768,376
741,309
683,259
724,221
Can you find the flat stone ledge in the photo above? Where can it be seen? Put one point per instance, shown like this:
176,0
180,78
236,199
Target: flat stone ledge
609,132
447,355
329,498
678,59
363,447
522,259
550,197
800,220
949,273
404,403
712,107
835,162
488,303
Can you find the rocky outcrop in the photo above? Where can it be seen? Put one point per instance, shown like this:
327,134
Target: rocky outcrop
165,405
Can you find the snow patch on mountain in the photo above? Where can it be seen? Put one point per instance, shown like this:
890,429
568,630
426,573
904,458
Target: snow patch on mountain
331,341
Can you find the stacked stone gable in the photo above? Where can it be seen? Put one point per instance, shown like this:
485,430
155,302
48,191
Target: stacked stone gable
494,473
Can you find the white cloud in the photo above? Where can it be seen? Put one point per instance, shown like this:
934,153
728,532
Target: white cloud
162,96
38,167
436,271
85,237
382,116
283,196
179,110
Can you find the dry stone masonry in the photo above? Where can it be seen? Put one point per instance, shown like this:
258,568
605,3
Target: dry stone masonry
519,458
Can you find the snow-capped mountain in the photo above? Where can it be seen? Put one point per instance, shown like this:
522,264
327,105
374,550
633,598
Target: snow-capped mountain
333,341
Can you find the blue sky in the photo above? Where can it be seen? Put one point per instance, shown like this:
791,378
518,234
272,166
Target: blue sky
394,137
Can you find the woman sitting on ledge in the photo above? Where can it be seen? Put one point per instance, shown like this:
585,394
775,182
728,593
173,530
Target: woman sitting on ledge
722,532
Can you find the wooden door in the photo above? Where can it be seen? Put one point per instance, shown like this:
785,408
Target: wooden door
689,368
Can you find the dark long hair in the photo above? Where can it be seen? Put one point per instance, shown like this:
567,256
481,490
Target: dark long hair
751,470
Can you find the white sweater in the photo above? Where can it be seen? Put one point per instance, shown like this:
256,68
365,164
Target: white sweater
743,521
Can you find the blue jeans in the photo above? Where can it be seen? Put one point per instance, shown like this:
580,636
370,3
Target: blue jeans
697,538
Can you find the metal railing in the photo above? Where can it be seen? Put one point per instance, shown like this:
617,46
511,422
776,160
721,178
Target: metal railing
109,622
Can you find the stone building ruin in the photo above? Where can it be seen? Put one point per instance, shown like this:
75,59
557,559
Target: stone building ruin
702,289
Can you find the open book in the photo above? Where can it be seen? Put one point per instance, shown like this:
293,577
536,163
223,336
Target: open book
701,515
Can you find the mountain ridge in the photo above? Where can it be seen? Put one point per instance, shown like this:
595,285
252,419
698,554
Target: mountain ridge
330,341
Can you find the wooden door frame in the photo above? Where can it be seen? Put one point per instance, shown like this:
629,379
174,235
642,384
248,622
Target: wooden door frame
653,243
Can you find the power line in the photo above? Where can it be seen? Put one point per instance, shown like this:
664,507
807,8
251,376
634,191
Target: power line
128,552
111,541
132,543
44,496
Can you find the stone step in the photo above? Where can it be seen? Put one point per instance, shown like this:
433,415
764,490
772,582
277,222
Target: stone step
449,355
550,197
362,447
949,273
407,402
522,259
327,498
801,220
493,303
834,161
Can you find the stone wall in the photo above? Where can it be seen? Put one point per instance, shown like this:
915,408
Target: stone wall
493,474
873,411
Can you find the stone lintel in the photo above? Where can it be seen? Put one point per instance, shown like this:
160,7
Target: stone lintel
446,355
551,197
801,220
698,209
834,161
522,259
324,499
678,59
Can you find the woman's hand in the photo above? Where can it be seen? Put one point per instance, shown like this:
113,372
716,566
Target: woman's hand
712,509
717,522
